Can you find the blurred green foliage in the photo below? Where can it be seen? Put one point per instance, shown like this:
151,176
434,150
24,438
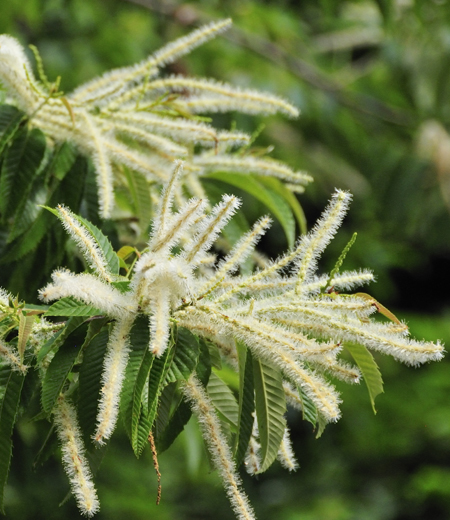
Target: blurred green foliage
372,80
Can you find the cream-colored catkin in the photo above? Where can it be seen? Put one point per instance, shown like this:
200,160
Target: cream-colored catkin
74,459
114,366
285,453
220,452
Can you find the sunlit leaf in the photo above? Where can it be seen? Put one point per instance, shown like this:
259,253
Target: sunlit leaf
369,370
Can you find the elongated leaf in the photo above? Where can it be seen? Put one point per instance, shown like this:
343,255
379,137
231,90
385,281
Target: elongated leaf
90,381
175,426
179,411
275,185
19,170
156,384
223,400
58,338
185,357
279,208
25,326
10,119
71,307
103,243
60,367
246,403
270,409
11,384
62,161
369,370
138,368
309,410
140,194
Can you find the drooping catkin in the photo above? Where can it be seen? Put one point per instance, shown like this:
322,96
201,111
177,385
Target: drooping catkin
74,459
220,452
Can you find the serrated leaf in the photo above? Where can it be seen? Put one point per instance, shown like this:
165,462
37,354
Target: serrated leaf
90,381
279,187
57,339
309,410
140,193
138,367
71,307
223,400
276,204
11,384
60,367
175,426
19,169
63,160
10,120
369,370
185,355
25,326
246,403
270,408
103,243
156,384
180,415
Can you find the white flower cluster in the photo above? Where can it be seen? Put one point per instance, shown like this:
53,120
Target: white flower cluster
282,312
158,114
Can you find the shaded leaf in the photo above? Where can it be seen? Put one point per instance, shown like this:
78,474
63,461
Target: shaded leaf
11,384
270,408
90,381
246,403
275,203
10,119
223,400
60,367
185,355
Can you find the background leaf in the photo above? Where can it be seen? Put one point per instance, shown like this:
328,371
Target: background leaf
10,389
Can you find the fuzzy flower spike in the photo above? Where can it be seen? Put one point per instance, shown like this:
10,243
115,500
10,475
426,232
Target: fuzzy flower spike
159,115
290,318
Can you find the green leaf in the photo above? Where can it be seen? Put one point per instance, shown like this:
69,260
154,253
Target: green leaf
63,160
90,381
246,403
71,307
223,400
309,410
60,367
369,370
21,163
138,368
11,384
103,243
58,338
185,355
179,410
10,120
276,204
156,384
25,326
275,185
270,409
176,424
140,193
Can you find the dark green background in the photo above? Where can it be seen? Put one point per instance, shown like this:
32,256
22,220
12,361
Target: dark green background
370,78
